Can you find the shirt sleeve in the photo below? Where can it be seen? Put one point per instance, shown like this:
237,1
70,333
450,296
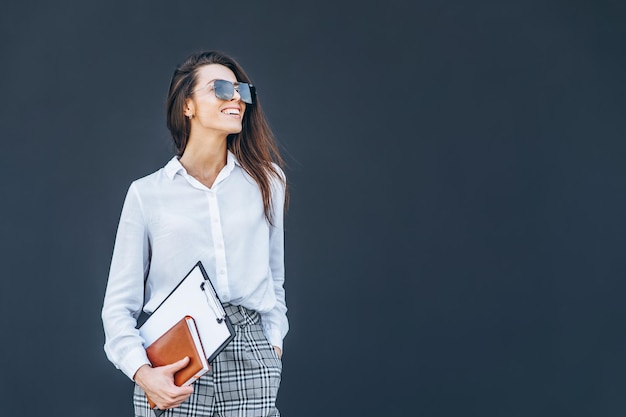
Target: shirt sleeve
275,323
123,300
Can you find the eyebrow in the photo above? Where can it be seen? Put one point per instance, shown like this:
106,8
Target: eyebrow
215,79
205,85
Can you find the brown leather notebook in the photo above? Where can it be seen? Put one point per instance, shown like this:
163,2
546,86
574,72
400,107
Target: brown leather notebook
179,341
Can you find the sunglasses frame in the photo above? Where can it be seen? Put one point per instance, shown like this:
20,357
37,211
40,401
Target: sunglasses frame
225,90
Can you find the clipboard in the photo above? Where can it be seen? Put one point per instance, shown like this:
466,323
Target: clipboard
194,296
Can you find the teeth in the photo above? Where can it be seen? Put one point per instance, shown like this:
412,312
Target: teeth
230,111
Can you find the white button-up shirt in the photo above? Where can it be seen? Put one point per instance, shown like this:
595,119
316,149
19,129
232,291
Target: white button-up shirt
169,222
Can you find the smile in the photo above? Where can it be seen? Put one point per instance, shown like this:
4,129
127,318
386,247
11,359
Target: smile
234,112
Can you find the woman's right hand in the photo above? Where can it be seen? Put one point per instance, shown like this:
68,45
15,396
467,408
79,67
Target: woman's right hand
158,384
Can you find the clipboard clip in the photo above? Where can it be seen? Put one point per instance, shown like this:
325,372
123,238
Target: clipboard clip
213,303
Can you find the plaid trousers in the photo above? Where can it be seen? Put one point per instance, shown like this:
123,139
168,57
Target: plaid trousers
243,380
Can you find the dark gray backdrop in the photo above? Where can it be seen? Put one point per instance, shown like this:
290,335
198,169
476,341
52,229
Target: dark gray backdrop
456,235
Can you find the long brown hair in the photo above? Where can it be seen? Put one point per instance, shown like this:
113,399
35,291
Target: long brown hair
255,146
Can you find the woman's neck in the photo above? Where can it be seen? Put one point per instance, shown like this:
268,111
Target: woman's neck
204,159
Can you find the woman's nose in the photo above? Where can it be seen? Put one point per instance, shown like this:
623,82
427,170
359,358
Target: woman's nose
236,95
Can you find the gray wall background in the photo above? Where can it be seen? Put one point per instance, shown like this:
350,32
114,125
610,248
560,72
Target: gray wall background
455,242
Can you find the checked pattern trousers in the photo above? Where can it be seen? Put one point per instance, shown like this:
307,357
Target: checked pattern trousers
243,380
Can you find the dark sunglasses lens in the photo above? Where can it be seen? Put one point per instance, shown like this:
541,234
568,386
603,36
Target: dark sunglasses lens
246,91
224,90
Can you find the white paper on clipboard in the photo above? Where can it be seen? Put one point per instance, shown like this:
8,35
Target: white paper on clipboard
196,297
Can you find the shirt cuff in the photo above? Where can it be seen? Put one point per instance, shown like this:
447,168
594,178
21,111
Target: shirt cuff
133,361
275,338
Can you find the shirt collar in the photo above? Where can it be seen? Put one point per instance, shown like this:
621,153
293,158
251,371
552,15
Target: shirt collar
174,166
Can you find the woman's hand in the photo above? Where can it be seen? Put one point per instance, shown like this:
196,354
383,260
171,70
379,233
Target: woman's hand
158,383
278,352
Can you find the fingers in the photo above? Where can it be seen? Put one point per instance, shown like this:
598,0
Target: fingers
158,384
173,397
178,365
278,352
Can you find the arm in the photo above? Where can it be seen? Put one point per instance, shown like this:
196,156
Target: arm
124,294
275,321
123,302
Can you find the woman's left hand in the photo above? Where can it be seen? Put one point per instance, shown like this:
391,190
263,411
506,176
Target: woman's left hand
278,352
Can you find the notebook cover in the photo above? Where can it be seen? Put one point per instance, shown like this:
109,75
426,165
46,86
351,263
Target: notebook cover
174,345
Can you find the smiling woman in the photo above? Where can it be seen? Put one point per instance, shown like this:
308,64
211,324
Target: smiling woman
220,200
212,115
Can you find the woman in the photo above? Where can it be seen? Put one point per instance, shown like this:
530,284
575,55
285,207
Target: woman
220,200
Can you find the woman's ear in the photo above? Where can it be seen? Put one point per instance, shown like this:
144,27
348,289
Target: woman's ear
189,109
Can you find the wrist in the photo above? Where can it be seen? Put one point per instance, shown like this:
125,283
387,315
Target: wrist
141,372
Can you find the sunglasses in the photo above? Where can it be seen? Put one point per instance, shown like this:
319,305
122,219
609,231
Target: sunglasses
225,90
